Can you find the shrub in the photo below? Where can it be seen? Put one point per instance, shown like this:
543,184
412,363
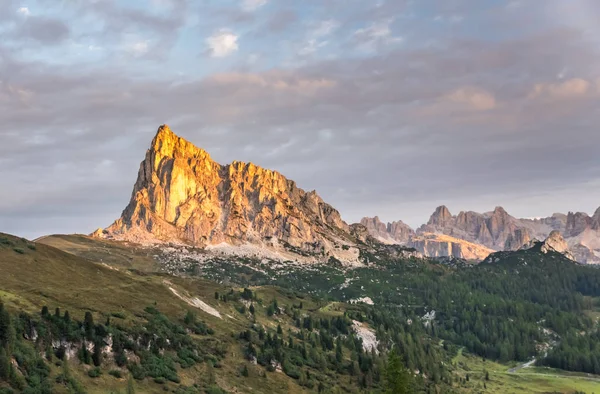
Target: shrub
116,373
94,373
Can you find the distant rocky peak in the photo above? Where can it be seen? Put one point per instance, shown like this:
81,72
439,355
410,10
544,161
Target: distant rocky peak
440,217
394,232
596,220
556,243
500,211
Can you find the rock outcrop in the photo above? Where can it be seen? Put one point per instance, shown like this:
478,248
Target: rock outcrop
556,243
183,195
439,245
394,232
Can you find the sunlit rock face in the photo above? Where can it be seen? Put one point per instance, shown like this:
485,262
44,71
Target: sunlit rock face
440,245
556,243
181,194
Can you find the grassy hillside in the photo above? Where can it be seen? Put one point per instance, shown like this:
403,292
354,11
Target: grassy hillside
306,309
35,275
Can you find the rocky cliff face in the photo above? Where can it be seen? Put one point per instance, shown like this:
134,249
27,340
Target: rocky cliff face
516,240
491,229
439,245
394,232
182,195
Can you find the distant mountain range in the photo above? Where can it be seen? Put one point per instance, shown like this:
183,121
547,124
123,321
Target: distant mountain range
456,235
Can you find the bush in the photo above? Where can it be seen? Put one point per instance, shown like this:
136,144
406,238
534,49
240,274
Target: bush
94,373
215,390
137,371
19,250
116,373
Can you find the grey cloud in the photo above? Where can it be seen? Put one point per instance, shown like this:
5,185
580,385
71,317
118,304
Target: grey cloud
45,31
375,135
281,21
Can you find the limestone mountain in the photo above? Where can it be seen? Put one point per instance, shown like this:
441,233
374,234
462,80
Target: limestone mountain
394,232
491,229
498,231
182,195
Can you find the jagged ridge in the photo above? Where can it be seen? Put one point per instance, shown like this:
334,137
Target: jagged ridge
183,195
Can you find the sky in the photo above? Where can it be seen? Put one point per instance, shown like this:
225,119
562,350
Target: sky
387,108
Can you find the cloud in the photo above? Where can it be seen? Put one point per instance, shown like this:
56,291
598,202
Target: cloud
44,30
138,48
222,43
253,5
375,36
325,28
277,81
474,98
571,88
24,11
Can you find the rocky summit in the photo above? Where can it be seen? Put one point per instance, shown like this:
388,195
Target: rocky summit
395,232
183,196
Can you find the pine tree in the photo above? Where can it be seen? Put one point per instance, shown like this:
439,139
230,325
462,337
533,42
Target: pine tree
88,324
245,371
397,377
4,365
97,355
4,327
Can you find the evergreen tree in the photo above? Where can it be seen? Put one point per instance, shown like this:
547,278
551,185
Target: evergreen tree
88,325
4,365
4,327
397,377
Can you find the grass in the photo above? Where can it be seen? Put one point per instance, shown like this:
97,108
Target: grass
118,254
529,380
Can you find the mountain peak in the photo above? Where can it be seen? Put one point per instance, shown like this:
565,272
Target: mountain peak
183,196
440,216
168,144
500,210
